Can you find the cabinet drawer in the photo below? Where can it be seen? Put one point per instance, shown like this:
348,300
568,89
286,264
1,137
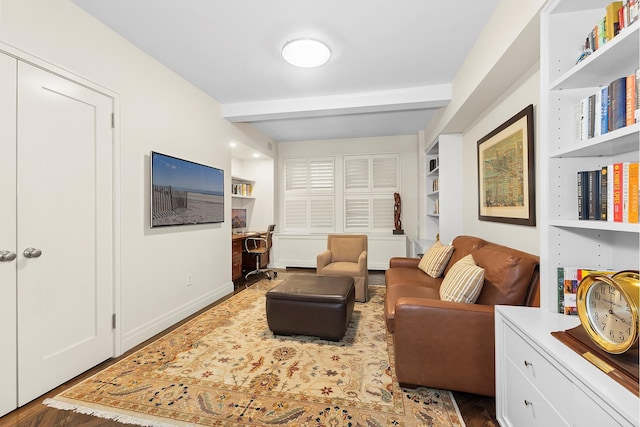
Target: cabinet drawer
538,370
525,406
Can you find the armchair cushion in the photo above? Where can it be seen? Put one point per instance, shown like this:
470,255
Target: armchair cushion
463,282
346,249
435,260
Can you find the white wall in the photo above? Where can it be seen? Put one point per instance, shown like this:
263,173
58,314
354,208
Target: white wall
523,93
406,146
158,111
487,92
261,209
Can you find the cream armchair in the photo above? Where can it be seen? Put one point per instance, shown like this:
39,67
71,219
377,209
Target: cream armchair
346,255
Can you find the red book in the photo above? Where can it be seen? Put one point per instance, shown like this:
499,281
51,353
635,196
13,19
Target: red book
617,192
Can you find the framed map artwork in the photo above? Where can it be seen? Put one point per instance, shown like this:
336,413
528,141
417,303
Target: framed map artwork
506,181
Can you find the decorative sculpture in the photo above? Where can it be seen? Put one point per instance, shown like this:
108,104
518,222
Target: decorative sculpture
397,210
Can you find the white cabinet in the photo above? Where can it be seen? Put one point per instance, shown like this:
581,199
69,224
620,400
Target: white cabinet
444,188
301,250
542,382
566,241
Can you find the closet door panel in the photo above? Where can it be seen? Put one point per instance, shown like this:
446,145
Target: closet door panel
8,377
65,190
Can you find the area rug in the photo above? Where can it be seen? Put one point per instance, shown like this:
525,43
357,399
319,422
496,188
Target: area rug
225,367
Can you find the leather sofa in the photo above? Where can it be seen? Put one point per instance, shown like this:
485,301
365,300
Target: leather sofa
451,345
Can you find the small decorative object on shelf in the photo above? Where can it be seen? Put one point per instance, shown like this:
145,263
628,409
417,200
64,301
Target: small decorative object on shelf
397,211
609,321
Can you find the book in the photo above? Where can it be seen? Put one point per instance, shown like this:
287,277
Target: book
591,118
611,18
609,192
603,192
617,192
568,281
625,191
593,195
632,198
632,6
637,112
617,101
630,100
583,207
604,110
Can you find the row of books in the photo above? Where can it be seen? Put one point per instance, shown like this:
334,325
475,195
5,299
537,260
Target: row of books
435,185
434,163
242,189
610,108
618,16
609,193
568,280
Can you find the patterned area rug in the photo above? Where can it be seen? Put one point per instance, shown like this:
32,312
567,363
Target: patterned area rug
225,367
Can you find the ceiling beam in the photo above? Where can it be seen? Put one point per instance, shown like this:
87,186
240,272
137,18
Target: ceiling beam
354,103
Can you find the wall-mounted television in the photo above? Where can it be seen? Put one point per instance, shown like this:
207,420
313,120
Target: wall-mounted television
238,219
185,192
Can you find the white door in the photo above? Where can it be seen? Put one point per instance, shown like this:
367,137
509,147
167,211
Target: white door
65,218
8,384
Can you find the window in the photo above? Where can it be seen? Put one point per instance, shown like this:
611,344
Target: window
369,184
309,195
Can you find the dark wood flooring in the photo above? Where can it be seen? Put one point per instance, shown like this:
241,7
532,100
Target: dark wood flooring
477,411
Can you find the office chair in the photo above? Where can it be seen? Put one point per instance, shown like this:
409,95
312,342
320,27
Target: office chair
259,246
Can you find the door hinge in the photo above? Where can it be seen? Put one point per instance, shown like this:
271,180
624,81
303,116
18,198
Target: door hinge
113,120
113,321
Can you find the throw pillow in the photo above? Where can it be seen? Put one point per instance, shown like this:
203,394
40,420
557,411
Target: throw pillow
463,281
435,260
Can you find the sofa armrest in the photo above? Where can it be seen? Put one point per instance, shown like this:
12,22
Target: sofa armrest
323,259
445,345
404,262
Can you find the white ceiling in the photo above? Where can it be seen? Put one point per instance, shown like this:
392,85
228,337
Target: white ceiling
392,61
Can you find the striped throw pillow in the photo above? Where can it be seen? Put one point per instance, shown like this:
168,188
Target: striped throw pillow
463,281
435,260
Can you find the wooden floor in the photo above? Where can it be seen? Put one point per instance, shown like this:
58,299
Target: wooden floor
477,411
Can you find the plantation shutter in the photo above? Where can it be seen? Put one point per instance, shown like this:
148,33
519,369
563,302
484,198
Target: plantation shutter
356,173
369,184
385,173
309,195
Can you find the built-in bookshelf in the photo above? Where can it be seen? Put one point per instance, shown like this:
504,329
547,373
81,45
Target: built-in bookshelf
565,82
444,188
242,188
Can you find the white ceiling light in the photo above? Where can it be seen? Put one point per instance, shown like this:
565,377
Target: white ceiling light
306,53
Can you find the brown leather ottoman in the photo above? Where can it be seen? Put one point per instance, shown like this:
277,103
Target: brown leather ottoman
320,306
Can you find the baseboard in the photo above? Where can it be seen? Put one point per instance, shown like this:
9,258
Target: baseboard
147,330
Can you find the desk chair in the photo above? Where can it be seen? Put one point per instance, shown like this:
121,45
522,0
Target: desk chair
259,246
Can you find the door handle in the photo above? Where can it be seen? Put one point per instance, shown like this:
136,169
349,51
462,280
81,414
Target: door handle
32,253
6,256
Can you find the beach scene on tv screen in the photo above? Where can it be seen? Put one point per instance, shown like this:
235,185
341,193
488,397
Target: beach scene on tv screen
185,192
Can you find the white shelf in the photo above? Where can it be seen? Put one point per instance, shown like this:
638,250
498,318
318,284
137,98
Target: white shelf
448,150
619,141
589,72
565,240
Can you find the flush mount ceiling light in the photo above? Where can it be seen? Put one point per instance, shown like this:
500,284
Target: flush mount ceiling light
306,53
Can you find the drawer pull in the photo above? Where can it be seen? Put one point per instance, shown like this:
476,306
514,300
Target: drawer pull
527,363
527,403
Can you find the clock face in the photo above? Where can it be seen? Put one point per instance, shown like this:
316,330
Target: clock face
609,313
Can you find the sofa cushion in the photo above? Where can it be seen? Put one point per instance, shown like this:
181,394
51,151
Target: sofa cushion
464,246
410,276
435,260
463,281
507,274
393,293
